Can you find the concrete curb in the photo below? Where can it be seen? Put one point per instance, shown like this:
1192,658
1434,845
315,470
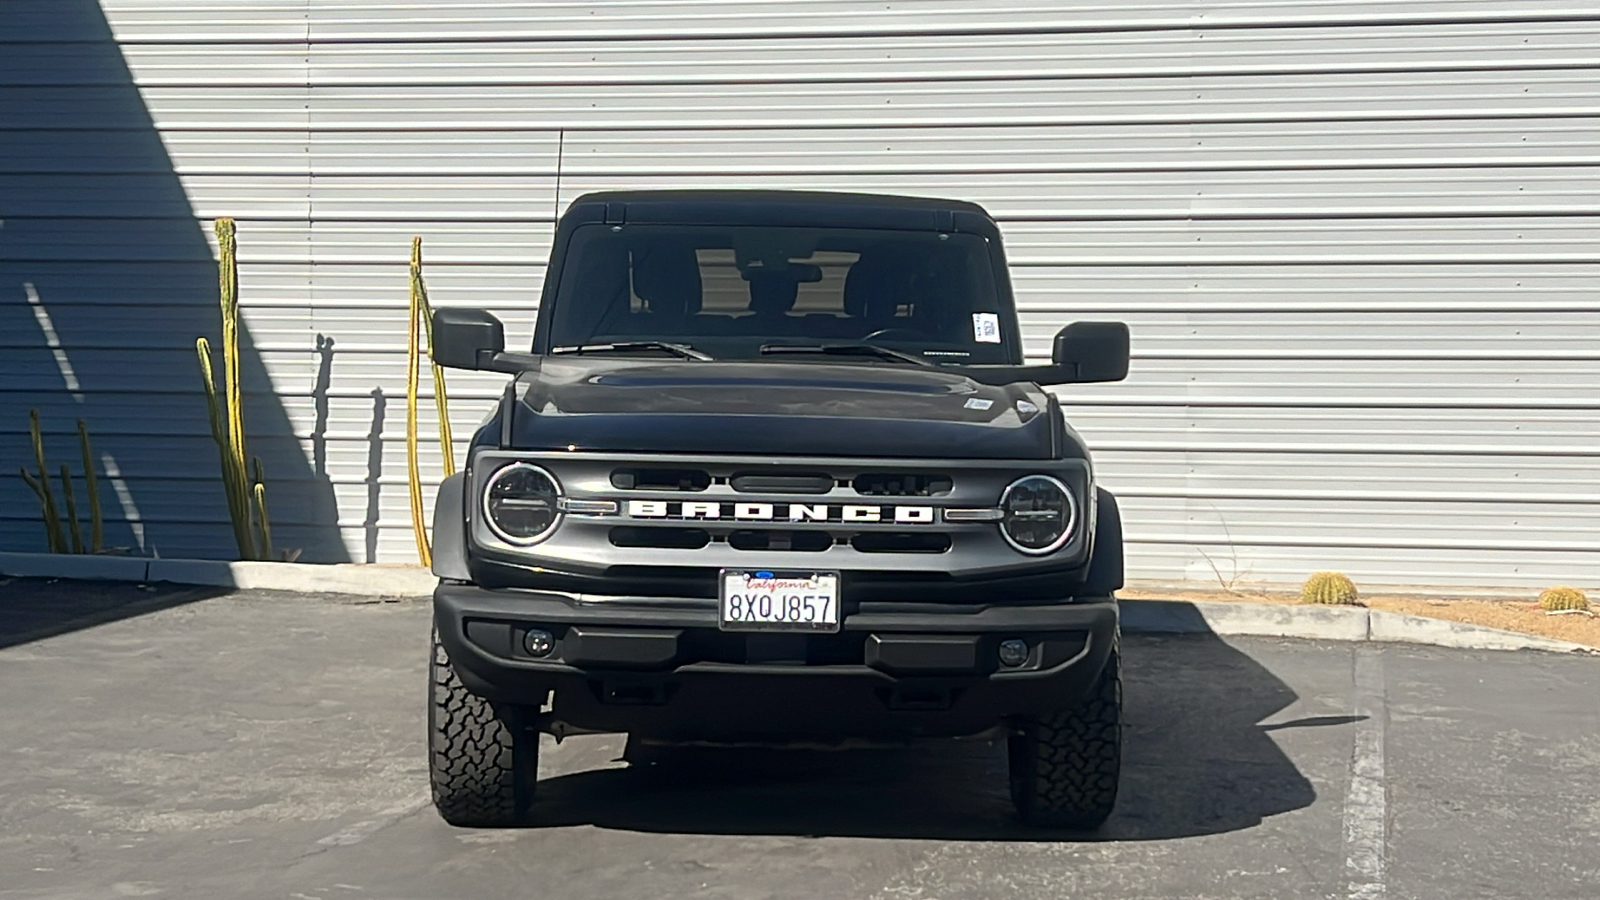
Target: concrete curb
308,578
1329,623
1464,592
90,568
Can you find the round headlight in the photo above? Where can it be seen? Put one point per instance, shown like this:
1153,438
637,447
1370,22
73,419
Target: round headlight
519,504
1039,513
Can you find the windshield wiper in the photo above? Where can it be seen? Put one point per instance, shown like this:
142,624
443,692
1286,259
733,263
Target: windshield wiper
683,351
845,350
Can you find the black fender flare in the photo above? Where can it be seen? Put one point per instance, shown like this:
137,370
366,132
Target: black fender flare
1105,574
450,530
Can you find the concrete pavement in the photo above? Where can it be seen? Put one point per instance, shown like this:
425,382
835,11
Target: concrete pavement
173,743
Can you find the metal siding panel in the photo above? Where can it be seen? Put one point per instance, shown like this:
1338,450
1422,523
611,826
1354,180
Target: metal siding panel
369,19
1445,472
1291,97
1347,335
1106,196
1239,566
1408,523
1187,147
438,196
1355,240
460,152
920,58
1458,288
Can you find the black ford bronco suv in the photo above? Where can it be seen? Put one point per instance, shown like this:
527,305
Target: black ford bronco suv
774,471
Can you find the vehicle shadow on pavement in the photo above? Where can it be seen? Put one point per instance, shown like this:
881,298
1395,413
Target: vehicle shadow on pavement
1197,761
32,609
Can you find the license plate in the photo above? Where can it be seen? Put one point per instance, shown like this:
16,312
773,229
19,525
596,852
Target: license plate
779,601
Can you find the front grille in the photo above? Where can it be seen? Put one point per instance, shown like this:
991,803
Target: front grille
697,514
780,509
664,538
802,541
902,484
660,479
782,482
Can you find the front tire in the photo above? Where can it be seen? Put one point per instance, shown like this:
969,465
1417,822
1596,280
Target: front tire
1065,765
482,765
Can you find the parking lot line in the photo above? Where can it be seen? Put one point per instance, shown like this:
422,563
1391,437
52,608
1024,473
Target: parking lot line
1366,814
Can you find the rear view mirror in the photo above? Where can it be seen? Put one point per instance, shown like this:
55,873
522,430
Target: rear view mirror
799,273
1097,350
466,338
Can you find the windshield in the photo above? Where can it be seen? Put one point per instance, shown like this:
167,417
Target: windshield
729,291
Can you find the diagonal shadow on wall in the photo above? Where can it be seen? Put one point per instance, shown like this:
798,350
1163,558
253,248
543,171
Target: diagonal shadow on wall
106,279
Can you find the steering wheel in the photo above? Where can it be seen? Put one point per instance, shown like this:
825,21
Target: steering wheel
897,334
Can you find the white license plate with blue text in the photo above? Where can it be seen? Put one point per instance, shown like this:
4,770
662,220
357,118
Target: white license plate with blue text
764,600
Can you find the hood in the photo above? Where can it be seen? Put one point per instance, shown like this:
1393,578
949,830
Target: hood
815,408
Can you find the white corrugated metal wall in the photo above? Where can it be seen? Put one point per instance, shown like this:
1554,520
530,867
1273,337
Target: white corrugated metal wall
1358,242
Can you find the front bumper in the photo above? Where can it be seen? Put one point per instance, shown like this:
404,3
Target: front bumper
661,668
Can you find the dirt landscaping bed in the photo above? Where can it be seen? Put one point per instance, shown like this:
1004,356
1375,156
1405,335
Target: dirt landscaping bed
1511,615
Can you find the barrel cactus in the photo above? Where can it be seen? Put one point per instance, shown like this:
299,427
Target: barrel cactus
1329,588
1563,599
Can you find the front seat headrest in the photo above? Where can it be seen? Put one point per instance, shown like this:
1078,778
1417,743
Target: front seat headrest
876,286
772,293
667,279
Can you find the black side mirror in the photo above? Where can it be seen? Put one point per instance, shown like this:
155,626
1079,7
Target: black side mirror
466,338
1098,350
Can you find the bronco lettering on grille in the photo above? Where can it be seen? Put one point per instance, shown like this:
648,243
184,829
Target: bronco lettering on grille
780,512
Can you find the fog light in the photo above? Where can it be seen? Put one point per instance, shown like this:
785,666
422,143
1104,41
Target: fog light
1013,652
538,643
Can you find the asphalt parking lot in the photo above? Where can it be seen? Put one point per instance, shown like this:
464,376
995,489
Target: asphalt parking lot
177,744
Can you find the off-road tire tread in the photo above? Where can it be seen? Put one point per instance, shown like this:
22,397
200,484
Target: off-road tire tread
472,754
1065,765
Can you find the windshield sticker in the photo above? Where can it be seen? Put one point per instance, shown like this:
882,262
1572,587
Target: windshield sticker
979,403
986,328
1025,408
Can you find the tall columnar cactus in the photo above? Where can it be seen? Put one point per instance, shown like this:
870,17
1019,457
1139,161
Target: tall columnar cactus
258,493
74,530
1330,588
421,309
97,527
1564,599
40,482
246,498
72,541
